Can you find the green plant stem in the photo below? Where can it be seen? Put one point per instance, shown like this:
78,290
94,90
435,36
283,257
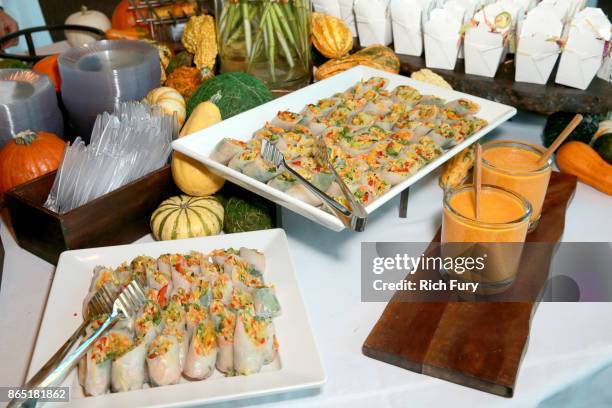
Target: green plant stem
281,39
247,27
271,50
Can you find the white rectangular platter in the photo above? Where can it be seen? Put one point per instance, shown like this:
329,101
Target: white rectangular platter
297,366
201,144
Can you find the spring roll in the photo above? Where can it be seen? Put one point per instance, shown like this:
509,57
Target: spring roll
195,314
182,275
95,323
241,299
222,289
174,315
140,265
194,260
227,149
99,360
283,181
210,271
201,291
225,325
147,324
163,361
220,255
124,274
260,170
286,120
249,343
265,302
243,158
128,367
271,346
182,340
406,94
254,257
202,354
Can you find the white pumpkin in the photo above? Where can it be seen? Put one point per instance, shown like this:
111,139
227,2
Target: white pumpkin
170,100
89,18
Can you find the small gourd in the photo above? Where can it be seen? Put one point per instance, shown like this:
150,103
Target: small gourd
582,161
183,217
170,100
331,36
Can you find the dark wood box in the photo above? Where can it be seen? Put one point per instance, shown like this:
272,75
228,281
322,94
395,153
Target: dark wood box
119,217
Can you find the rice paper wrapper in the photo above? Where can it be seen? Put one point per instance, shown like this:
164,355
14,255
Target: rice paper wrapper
165,369
97,376
128,370
248,352
265,302
373,19
200,363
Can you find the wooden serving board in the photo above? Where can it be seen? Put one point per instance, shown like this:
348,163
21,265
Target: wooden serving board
476,344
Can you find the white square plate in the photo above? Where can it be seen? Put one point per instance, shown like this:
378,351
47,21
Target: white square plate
298,365
201,144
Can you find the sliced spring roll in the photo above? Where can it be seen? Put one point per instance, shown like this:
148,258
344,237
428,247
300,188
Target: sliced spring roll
317,125
241,299
128,367
210,271
271,347
424,113
286,120
249,343
255,258
303,194
406,94
227,149
182,275
95,323
181,296
243,158
260,170
225,325
405,137
374,181
462,107
445,135
364,194
371,84
174,315
147,324
194,260
195,314
432,100
182,339
202,354
222,289
361,121
378,107
268,132
201,291
140,265
340,114
283,181
246,278
164,263
427,149
97,369
161,284
124,274
397,170
163,361
220,255
265,302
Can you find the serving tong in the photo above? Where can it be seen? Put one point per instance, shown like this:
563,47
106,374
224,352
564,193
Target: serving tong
354,218
120,306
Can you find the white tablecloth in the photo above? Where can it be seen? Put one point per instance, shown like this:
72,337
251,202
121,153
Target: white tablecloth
568,342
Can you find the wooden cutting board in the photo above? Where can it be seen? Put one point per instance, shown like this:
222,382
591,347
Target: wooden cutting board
479,345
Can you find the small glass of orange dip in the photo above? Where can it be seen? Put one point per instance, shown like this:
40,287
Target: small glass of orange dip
497,235
513,165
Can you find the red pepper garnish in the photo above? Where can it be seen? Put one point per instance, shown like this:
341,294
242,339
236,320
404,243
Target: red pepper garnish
162,299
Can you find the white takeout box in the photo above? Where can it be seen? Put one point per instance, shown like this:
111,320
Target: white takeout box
442,38
583,52
407,18
483,50
348,14
331,7
373,19
537,51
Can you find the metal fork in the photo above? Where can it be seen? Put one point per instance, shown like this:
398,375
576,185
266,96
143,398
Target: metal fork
353,220
125,306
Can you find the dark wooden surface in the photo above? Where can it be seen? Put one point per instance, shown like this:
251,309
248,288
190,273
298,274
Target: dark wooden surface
544,99
119,217
479,345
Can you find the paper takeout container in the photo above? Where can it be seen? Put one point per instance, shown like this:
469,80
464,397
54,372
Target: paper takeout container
373,22
584,50
442,40
406,16
119,217
484,51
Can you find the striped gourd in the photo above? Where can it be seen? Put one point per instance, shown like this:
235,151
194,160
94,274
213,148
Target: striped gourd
187,217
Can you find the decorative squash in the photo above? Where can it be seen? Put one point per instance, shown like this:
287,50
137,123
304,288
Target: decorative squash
28,156
89,18
170,100
582,161
191,176
185,80
49,67
165,55
200,39
375,56
182,59
331,36
187,217
124,18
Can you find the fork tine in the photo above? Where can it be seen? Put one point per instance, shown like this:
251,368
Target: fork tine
139,291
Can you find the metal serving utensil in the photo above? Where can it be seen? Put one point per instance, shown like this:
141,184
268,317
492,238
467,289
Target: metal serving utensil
355,220
125,306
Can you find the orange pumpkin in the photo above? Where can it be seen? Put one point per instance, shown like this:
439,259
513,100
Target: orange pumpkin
28,156
48,66
124,18
134,33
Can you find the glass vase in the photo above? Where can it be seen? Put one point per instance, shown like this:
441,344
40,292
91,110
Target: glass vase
269,39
